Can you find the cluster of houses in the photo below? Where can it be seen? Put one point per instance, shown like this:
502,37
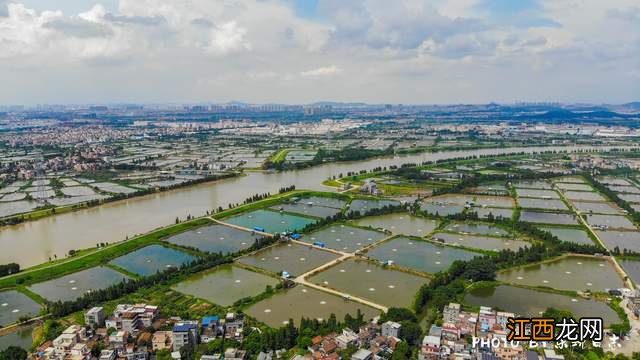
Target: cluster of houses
454,338
373,341
135,331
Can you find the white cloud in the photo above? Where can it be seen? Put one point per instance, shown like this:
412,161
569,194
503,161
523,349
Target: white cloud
322,71
261,50
228,38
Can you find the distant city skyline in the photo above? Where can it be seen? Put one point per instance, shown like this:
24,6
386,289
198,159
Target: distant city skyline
305,51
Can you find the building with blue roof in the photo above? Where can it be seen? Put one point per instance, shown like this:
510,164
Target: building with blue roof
185,333
210,321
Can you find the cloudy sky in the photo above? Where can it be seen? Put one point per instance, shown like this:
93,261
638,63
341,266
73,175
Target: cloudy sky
298,51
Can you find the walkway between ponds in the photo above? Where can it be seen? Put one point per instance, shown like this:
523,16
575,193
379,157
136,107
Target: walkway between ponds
619,269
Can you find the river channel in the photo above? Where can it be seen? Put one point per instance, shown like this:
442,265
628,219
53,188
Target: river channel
35,242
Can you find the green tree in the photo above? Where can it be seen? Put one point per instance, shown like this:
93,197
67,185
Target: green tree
556,314
13,353
400,314
410,332
401,352
164,354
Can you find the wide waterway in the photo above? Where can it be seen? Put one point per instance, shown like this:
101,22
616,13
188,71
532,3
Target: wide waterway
34,242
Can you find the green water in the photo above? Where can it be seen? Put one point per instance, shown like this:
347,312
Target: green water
226,284
375,283
531,303
271,221
570,273
400,224
293,258
418,255
344,237
302,301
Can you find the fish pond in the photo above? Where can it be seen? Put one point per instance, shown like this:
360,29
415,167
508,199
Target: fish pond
537,193
370,281
364,205
584,196
597,207
400,224
344,237
532,184
567,273
226,284
75,285
302,301
547,204
573,235
547,218
293,258
309,210
322,201
632,268
574,186
215,239
611,221
418,255
480,242
152,259
441,209
270,221
622,239
14,304
476,228
532,303
484,212
632,198
23,337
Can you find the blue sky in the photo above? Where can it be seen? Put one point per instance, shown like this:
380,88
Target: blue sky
306,8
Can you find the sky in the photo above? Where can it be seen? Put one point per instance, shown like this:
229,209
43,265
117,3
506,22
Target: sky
302,51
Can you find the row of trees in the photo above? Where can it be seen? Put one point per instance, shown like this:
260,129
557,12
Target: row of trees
614,197
8,269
